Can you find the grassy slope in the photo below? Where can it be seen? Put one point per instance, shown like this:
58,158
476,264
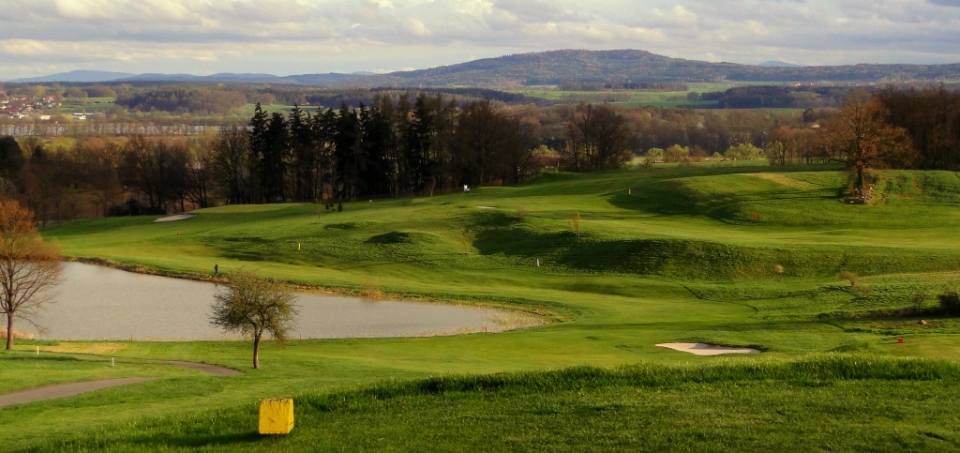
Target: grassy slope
663,255
828,403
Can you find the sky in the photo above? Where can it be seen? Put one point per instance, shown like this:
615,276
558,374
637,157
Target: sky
284,37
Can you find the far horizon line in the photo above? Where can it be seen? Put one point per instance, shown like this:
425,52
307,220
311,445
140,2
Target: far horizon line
371,72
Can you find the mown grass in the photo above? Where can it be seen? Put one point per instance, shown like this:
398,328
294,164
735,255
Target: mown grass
834,402
740,256
20,369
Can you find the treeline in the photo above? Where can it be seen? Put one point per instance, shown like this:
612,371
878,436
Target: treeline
353,98
93,177
402,146
92,91
637,86
394,147
894,128
753,97
197,100
932,118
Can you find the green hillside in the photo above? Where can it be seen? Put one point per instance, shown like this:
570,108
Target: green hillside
738,256
618,66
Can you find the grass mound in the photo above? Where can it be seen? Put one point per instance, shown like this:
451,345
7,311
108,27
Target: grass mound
404,237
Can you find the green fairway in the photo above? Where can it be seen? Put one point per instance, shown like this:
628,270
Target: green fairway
738,256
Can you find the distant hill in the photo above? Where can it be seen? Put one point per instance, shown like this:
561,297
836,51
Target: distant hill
120,77
555,67
321,79
303,79
79,76
779,64
619,66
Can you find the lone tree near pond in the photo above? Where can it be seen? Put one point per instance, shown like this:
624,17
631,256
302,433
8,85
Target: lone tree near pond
28,266
252,305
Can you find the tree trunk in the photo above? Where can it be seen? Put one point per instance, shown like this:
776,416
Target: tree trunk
256,350
860,178
9,331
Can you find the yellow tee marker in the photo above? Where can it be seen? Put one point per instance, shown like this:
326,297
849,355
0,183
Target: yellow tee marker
276,416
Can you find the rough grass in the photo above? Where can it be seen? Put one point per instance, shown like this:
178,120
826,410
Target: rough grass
834,402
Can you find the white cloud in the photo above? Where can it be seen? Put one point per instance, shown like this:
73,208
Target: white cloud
298,36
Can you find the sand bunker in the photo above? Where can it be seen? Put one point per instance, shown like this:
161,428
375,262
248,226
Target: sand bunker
175,218
706,349
486,207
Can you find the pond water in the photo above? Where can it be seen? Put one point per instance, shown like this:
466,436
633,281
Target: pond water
100,303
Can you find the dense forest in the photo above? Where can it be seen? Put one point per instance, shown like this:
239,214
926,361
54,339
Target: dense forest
768,96
184,100
402,146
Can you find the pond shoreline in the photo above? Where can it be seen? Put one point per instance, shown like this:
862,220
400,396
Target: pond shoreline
546,316
104,300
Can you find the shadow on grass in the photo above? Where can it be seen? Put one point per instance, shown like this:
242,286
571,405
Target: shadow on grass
29,357
679,198
697,259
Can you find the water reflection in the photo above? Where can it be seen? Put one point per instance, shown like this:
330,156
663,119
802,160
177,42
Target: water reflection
99,303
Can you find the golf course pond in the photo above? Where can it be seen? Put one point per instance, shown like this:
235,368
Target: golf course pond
100,303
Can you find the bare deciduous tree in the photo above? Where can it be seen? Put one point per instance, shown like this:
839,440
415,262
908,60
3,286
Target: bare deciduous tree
862,139
28,266
253,305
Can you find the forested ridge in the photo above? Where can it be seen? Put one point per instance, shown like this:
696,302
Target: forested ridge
625,66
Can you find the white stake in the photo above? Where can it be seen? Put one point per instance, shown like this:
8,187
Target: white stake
113,361
38,350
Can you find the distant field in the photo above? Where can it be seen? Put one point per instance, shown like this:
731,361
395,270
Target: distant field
748,256
630,98
88,105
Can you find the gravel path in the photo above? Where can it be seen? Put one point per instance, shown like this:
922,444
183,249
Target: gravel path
50,392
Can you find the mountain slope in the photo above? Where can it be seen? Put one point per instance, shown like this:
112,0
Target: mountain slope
79,76
640,66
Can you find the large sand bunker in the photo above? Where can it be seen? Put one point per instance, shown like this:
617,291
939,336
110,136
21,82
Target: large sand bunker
706,349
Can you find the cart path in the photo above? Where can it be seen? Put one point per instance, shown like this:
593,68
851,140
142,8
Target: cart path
215,370
49,392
